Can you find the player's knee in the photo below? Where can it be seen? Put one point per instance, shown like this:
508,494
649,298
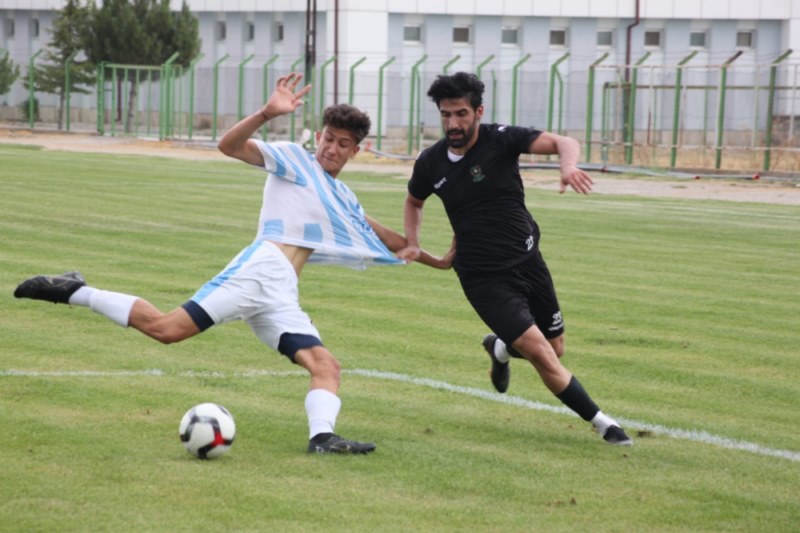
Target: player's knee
558,346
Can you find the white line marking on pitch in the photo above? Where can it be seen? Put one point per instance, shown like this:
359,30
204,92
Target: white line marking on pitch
683,434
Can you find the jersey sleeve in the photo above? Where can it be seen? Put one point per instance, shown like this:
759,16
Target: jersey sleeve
288,161
420,186
517,139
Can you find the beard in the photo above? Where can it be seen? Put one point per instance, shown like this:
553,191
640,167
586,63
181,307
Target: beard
463,136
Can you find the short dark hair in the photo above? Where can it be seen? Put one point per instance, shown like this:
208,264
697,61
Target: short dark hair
347,117
459,85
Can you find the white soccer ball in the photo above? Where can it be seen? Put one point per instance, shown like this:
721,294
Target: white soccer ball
207,430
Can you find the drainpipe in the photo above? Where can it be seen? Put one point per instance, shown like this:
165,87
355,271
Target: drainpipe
336,52
626,92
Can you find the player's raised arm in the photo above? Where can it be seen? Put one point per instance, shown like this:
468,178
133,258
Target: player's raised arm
568,150
285,99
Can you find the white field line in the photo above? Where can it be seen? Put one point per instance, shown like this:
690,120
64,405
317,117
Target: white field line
683,434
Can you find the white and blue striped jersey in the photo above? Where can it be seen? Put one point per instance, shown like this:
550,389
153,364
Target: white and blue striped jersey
305,206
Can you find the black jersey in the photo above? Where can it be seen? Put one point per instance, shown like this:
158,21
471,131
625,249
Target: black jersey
483,197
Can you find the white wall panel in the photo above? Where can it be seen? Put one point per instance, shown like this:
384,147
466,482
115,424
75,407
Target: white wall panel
574,8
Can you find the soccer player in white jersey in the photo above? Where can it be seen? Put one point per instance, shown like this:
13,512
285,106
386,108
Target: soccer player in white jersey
307,215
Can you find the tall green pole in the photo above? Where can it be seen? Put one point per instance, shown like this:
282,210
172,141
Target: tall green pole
351,88
632,110
723,87
191,93
265,91
31,79
292,126
553,75
214,97
450,63
482,64
411,127
773,74
240,102
380,100
321,84
165,106
514,77
68,87
677,108
590,106
101,97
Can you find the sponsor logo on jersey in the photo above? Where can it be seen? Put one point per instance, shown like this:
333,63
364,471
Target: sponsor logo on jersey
476,173
529,242
439,184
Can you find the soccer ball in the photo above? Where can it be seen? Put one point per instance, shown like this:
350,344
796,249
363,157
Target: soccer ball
207,430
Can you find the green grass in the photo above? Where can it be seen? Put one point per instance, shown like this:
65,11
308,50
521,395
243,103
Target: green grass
681,315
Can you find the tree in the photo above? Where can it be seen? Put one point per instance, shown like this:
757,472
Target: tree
9,72
51,76
139,32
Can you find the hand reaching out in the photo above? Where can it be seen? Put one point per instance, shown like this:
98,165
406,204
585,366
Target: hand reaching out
285,98
575,178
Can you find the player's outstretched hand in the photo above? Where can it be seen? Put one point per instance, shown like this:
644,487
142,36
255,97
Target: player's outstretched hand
286,97
576,178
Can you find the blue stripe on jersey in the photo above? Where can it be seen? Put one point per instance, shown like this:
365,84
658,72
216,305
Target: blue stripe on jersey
371,239
312,233
282,162
340,234
273,228
225,275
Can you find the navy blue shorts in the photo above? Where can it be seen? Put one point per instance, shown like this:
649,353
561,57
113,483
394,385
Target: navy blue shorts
511,301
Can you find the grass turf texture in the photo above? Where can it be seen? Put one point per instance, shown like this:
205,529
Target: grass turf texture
679,313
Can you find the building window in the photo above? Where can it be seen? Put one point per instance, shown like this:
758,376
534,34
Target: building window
697,39
744,39
250,31
652,38
558,37
221,30
9,28
605,38
510,36
34,28
412,34
461,34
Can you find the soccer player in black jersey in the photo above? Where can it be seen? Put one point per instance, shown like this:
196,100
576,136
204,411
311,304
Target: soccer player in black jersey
474,170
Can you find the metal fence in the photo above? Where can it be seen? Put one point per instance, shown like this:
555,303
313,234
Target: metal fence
668,116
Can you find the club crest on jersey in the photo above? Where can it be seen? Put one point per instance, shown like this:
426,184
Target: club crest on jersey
476,173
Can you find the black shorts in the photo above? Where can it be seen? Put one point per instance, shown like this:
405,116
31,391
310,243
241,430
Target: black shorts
511,301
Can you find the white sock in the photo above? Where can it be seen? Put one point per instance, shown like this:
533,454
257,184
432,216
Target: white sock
602,422
82,296
322,408
113,305
500,352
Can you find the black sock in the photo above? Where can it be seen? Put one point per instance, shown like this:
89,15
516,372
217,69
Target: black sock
577,399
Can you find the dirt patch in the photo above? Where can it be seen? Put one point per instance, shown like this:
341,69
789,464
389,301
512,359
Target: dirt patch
745,190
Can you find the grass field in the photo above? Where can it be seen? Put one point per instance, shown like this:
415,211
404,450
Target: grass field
682,320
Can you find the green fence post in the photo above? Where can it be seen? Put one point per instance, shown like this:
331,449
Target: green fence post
494,97
677,108
291,117
192,65
67,88
590,106
450,63
632,111
165,105
773,74
514,77
553,75
114,97
101,97
482,64
214,97
414,74
723,87
321,77
265,91
31,81
380,100
240,104
352,80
